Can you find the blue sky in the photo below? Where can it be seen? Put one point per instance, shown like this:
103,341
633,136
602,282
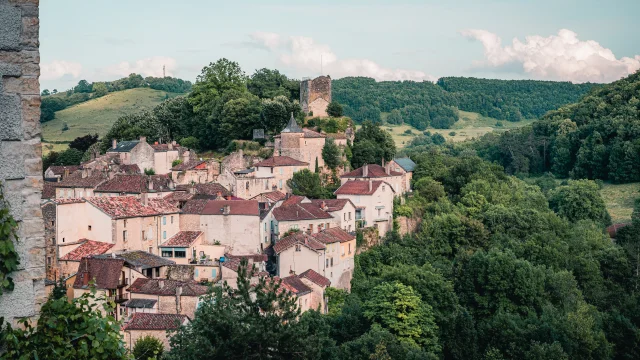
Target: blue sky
389,40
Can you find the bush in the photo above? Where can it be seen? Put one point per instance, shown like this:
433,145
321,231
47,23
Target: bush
261,141
334,109
452,133
149,172
190,142
176,162
499,124
65,127
148,347
408,132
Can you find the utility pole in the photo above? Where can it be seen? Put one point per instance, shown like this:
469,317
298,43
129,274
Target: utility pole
163,72
320,64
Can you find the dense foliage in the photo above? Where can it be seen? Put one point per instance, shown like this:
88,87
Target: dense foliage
309,184
148,348
423,104
331,154
371,145
82,143
595,138
66,330
8,255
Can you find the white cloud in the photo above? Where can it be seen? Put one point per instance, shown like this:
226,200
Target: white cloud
146,67
58,69
304,54
556,57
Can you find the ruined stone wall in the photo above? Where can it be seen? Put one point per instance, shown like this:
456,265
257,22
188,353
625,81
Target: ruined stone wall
51,260
144,156
315,95
21,153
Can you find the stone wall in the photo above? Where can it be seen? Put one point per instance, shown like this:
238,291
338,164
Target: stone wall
49,216
313,90
21,153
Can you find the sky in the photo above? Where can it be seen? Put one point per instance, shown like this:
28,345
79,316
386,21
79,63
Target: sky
564,40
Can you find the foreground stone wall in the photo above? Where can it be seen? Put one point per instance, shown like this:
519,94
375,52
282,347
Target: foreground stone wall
20,152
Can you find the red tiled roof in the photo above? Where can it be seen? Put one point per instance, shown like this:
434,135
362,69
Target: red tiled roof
69,201
75,180
300,239
105,272
302,211
133,184
308,133
182,239
613,229
315,278
293,199
216,207
295,285
280,161
164,147
331,204
150,321
358,187
87,248
373,171
131,169
189,165
332,235
205,189
129,206
49,190
273,196
59,170
168,288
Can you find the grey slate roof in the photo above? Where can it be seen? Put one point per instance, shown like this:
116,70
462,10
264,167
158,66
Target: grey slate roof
407,164
292,126
124,146
140,303
141,259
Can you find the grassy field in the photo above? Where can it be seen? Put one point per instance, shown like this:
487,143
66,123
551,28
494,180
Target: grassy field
619,200
470,125
97,115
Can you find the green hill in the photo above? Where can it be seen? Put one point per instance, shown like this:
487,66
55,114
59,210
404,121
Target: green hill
97,115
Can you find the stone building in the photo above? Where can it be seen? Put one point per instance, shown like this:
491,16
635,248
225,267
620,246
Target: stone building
315,95
301,144
21,153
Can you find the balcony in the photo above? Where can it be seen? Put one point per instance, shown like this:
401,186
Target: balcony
118,298
361,223
123,283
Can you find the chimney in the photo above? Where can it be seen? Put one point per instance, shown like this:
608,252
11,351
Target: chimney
178,290
178,302
150,183
227,210
387,168
323,205
219,194
114,143
370,185
85,278
170,146
365,170
143,139
84,173
143,198
161,284
173,143
66,173
113,255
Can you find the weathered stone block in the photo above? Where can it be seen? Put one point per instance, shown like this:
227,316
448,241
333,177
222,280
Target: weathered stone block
19,302
29,60
10,118
30,10
11,20
30,26
10,69
23,85
11,160
13,196
31,116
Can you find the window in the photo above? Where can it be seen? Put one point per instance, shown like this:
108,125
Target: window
164,220
294,226
164,235
247,185
53,223
345,216
272,170
331,261
298,248
150,250
48,260
265,239
157,272
144,238
379,212
167,253
349,248
125,222
180,254
280,184
327,263
62,239
172,219
349,215
383,187
311,228
89,227
124,235
327,226
265,226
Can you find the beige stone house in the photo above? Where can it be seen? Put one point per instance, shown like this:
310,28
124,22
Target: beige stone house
156,157
229,268
234,224
151,266
70,254
170,296
342,210
59,172
373,200
339,256
152,186
308,288
406,167
304,145
190,247
281,168
298,253
196,172
299,213
79,184
150,324
396,179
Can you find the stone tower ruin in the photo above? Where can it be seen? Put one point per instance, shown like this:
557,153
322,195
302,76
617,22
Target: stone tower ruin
315,95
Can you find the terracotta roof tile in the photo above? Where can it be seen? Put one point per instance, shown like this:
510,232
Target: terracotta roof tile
166,287
373,171
75,180
216,207
333,235
130,169
128,206
69,201
273,196
298,239
133,184
310,134
358,187
190,165
295,285
315,278
280,161
141,259
87,248
106,273
302,211
293,199
331,204
253,257
150,321
182,239
204,189
59,170
49,190
164,147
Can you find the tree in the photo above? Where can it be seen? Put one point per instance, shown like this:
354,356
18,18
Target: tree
133,126
70,156
215,80
190,142
266,83
331,154
100,89
67,330
45,92
371,145
83,87
55,91
149,171
309,184
579,200
397,308
176,115
147,348
240,116
260,321
395,117
334,109
82,143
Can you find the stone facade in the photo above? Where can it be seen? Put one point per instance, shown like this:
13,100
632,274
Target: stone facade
21,152
315,95
51,253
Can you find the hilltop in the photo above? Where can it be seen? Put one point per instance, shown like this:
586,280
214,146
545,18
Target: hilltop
97,115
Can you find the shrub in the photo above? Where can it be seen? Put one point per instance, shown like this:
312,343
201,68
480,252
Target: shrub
148,347
65,127
176,162
149,172
453,133
334,109
190,142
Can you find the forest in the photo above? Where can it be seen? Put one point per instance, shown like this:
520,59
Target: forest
594,138
423,104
